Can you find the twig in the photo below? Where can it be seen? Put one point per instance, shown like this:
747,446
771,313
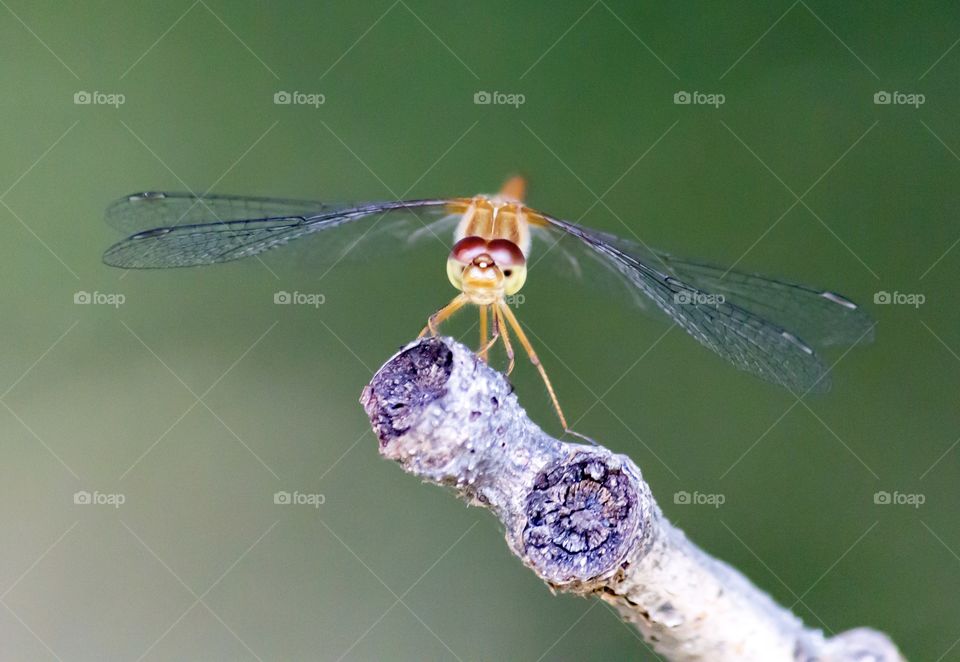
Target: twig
582,518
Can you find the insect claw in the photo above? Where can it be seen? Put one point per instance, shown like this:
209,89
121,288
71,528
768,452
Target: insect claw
582,436
485,349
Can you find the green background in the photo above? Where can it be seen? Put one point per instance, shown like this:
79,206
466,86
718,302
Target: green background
98,395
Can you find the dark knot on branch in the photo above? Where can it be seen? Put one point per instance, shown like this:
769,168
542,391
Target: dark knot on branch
582,518
409,382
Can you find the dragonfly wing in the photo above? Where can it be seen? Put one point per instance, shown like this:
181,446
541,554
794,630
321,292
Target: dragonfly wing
735,327
155,209
567,256
227,231
821,317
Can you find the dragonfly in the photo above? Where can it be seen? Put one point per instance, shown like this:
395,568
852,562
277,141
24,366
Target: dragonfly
766,326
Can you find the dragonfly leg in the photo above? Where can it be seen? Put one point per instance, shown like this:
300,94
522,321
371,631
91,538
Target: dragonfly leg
442,315
490,343
483,346
502,331
494,336
505,312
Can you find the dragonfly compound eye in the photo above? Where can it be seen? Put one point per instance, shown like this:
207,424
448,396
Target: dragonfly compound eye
468,248
505,253
509,258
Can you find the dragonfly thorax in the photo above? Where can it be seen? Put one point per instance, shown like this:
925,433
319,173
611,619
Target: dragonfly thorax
495,217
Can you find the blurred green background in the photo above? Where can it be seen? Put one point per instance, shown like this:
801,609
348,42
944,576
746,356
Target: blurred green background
198,398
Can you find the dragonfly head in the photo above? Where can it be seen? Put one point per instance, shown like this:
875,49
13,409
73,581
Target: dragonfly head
486,270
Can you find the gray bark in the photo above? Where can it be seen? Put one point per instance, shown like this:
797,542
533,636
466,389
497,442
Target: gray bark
581,517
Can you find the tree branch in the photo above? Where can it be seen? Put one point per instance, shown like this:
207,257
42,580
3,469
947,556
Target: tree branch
582,518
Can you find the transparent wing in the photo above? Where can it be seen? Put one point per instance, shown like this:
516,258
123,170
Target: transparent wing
180,230
760,325
820,317
155,209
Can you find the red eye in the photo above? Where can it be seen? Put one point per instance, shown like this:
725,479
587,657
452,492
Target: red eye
505,253
468,248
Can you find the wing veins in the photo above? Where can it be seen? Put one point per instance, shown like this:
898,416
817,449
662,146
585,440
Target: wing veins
737,334
235,238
